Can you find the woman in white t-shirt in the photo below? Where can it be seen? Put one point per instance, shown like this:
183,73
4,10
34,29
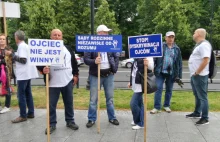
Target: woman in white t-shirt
136,104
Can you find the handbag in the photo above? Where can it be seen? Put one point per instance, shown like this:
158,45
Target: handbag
151,82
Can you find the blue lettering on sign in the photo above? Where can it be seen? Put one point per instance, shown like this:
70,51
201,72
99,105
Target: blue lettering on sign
98,43
41,59
36,51
45,43
145,46
33,42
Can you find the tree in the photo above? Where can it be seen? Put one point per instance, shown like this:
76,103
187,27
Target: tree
172,17
73,17
147,11
106,17
216,29
41,19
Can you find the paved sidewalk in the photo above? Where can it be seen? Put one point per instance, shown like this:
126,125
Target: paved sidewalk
163,127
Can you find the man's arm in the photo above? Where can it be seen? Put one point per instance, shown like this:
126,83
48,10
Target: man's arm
180,65
205,61
88,59
19,59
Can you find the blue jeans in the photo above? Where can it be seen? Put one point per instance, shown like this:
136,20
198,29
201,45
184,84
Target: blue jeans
168,93
25,98
67,94
200,86
108,84
137,108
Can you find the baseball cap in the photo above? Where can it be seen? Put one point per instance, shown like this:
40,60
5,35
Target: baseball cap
103,28
170,33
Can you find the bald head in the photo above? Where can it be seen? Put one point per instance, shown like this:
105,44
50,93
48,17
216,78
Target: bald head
199,35
56,34
201,32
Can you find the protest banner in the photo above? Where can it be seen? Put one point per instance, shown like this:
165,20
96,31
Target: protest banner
99,43
142,47
44,52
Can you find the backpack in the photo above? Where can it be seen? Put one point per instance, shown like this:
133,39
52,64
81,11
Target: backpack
212,66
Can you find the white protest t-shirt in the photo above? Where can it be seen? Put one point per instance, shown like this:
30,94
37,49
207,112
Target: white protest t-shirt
137,87
60,76
201,51
104,61
24,71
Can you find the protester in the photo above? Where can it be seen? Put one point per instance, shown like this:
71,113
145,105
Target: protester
136,104
199,70
24,74
6,73
62,80
109,66
169,69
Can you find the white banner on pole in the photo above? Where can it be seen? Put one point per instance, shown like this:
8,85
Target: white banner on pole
45,52
12,10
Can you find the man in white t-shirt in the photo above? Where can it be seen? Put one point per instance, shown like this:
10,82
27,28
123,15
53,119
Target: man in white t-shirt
24,73
109,66
62,80
199,70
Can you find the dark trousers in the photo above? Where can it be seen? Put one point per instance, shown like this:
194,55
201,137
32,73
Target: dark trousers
25,98
137,108
7,100
67,95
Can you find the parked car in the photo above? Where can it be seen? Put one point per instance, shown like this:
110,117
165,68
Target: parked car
79,60
127,63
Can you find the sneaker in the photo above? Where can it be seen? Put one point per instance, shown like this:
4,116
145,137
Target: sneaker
90,124
52,129
167,109
193,115
4,110
136,127
153,111
202,121
72,125
133,124
114,122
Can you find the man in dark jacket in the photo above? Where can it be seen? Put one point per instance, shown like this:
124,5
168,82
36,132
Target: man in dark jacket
169,69
109,66
62,80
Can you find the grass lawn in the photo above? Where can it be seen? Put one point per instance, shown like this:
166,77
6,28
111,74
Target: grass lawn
181,100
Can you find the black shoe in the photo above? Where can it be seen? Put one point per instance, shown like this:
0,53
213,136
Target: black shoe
114,122
30,116
202,121
72,125
193,115
52,129
90,124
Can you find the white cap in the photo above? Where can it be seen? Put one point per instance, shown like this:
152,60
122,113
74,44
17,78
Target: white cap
170,33
103,28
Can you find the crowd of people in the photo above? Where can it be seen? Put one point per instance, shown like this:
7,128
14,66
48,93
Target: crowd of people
167,69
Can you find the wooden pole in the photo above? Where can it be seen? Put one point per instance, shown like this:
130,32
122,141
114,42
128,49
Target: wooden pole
48,109
4,18
145,103
98,101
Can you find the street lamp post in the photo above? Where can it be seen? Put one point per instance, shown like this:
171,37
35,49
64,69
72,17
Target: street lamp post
92,32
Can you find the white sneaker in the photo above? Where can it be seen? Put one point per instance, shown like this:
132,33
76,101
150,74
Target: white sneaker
167,109
136,127
4,110
132,123
153,111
